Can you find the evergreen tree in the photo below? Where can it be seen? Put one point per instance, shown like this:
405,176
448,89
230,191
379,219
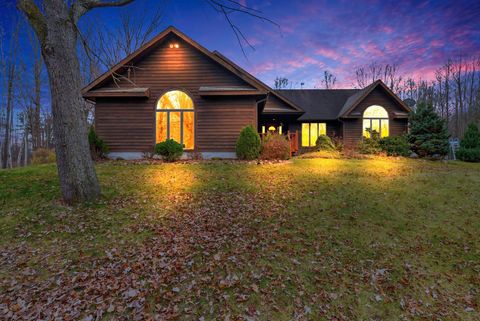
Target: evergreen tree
428,133
469,150
248,143
471,139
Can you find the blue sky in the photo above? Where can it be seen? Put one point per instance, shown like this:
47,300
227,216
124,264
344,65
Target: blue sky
315,36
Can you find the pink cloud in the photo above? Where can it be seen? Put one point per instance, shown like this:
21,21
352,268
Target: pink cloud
372,49
332,54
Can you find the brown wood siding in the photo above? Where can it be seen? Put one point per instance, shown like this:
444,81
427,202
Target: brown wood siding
219,125
352,127
128,124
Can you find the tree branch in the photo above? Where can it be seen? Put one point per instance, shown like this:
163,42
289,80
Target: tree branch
83,6
227,7
35,16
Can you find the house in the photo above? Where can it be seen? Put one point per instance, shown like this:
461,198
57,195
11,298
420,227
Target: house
172,87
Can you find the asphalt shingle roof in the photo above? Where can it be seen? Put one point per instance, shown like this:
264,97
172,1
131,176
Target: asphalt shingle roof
325,104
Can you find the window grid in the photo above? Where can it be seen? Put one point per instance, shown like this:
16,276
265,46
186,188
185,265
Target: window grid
311,131
173,122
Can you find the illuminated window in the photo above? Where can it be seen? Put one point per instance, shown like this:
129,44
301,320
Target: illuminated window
272,129
375,118
176,118
311,131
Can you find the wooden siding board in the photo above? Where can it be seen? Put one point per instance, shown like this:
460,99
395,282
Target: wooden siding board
129,124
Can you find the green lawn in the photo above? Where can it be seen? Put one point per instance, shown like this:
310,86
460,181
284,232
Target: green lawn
317,239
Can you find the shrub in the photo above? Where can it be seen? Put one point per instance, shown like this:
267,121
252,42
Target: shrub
338,143
324,143
43,156
428,133
395,146
370,145
170,150
471,139
98,148
469,150
469,154
248,143
275,146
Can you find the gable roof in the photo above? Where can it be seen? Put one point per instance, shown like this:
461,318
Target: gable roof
215,56
330,104
319,103
359,96
295,107
157,39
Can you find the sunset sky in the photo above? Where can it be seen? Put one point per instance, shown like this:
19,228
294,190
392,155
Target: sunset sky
314,36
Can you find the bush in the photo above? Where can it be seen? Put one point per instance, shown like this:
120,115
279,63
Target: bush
469,150
275,146
248,143
471,139
370,145
43,156
428,132
395,146
170,150
338,143
98,148
324,143
469,154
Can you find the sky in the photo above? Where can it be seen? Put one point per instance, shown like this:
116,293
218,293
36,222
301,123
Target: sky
314,36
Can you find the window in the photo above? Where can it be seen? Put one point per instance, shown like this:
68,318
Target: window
375,118
176,118
272,129
311,131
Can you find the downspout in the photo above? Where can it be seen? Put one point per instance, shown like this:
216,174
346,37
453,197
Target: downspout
258,108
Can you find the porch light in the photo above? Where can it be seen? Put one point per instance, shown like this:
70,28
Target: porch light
174,45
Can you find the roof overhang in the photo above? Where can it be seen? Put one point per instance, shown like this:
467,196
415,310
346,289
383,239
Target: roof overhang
276,111
139,92
394,115
229,91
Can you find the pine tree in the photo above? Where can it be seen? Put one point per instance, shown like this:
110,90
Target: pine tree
428,132
471,139
469,150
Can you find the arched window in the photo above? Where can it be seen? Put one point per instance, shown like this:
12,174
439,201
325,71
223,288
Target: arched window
176,118
375,118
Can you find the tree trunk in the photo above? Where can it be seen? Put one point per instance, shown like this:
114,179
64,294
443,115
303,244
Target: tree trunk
76,171
8,123
36,137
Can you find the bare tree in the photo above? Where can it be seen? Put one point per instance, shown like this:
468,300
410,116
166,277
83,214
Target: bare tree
10,72
328,80
281,83
229,7
55,23
388,73
114,44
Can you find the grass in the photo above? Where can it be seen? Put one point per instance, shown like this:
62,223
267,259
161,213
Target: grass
383,238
